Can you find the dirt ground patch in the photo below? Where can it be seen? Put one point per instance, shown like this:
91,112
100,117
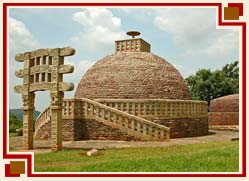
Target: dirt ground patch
43,146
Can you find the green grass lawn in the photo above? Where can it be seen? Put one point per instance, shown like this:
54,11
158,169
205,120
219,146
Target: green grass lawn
206,157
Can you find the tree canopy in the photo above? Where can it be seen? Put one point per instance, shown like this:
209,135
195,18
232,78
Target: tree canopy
14,123
206,84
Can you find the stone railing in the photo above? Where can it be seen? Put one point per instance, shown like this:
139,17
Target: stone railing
73,109
42,119
130,115
89,109
133,125
158,108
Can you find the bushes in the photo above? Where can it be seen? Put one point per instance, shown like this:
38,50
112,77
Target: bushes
14,123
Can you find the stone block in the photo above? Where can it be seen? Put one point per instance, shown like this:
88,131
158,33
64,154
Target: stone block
92,152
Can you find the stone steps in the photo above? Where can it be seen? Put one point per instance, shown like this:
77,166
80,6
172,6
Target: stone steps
128,124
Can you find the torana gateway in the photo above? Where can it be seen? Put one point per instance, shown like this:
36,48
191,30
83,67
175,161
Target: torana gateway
129,95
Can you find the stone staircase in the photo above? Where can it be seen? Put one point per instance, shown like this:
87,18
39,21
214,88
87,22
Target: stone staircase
132,125
42,124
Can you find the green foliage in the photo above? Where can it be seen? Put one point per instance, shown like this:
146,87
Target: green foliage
15,119
205,157
14,123
18,113
206,84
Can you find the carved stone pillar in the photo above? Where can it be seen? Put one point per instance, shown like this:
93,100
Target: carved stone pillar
56,120
28,117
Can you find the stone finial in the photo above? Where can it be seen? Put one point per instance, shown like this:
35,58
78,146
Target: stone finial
132,45
133,33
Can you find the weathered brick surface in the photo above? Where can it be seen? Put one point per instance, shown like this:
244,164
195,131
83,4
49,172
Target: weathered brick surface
186,127
132,75
223,118
94,130
224,110
71,130
228,103
85,130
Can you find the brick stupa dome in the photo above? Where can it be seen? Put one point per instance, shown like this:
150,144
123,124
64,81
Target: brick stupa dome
224,110
132,73
228,103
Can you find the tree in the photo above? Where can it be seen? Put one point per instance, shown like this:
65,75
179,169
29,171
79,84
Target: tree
14,123
206,84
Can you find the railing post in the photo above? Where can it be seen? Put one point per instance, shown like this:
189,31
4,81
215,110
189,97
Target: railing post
91,110
114,118
150,131
162,134
133,108
139,108
102,113
85,110
138,127
127,107
150,108
126,123
157,108
122,106
116,105
145,109
167,135
132,125
156,133
144,129
108,116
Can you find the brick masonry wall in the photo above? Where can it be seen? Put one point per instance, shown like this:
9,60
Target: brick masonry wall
94,130
71,130
186,127
223,118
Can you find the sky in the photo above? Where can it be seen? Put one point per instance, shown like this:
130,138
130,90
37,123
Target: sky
186,37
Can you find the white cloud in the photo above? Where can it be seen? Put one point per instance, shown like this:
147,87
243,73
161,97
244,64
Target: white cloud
187,25
80,68
100,28
20,38
195,31
223,44
161,23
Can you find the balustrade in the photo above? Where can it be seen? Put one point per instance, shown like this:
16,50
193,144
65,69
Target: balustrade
159,108
134,114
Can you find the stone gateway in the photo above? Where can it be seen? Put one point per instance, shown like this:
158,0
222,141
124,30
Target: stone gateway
43,70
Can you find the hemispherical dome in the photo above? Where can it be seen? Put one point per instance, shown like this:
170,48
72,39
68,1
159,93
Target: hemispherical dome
228,103
132,75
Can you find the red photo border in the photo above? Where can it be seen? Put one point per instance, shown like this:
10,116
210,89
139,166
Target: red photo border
29,156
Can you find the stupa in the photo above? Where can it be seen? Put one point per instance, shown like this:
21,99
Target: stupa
132,94
224,111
